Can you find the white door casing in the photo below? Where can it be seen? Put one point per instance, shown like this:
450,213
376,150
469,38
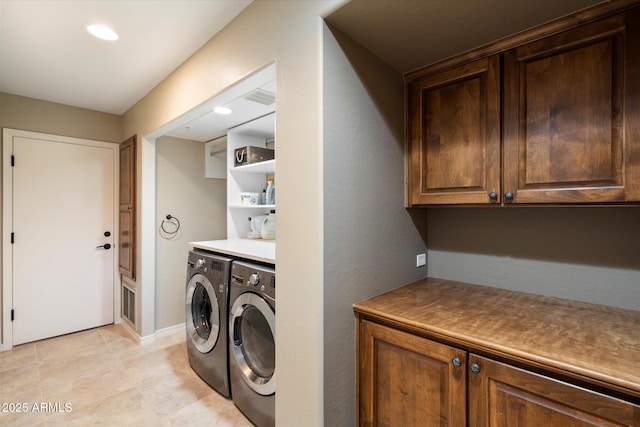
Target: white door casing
59,200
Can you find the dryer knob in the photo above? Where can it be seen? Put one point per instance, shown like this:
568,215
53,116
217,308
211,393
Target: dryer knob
201,263
254,279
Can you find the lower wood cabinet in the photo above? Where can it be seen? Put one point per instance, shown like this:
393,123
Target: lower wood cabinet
407,380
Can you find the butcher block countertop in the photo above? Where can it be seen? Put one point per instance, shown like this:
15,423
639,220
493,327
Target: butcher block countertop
588,342
257,250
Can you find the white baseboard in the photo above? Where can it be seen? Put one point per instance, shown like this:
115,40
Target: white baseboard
171,330
147,339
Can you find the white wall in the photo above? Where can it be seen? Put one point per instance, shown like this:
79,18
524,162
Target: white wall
289,33
199,203
370,239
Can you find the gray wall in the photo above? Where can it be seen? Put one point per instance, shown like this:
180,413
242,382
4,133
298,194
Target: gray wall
587,254
199,203
370,239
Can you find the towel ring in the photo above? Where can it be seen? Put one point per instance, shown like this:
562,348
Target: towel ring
176,224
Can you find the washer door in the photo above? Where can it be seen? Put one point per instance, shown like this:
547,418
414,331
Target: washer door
203,313
252,329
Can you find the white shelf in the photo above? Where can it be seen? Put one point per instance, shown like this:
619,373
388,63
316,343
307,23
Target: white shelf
267,166
250,178
252,206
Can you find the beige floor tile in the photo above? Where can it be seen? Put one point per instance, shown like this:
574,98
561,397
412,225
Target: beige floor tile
213,410
171,393
122,409
85,343
109,379
71,366
19,384
19,356
89,387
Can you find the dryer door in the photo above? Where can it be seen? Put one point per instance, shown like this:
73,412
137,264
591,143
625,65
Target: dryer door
203,313
252,325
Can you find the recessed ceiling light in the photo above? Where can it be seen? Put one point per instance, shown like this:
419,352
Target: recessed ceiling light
222,110
102,32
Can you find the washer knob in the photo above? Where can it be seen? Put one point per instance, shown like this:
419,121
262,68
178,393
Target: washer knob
254,279
201,262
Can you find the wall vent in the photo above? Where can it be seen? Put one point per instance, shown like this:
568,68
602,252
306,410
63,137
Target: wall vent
261,96
129,304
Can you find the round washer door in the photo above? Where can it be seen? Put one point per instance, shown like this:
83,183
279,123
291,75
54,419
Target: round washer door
203,313
252,330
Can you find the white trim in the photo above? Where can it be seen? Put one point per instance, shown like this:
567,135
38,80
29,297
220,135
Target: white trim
171,330
164,332
7,222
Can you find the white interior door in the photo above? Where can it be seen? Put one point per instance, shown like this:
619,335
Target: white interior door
63,207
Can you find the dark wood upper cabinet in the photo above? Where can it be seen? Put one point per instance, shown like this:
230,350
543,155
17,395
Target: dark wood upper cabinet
564,117
127,238
569,127
454,141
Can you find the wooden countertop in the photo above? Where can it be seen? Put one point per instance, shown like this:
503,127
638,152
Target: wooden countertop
591,342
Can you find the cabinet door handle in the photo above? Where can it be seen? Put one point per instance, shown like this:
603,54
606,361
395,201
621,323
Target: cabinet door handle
508,195
493,195
475,368
456,362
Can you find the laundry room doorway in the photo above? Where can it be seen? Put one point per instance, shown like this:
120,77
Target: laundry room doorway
59,211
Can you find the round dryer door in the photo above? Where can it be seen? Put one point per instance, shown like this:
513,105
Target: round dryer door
203,313
252,329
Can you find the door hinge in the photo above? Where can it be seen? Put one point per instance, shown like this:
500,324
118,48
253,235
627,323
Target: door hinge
13,237
12,314
13,160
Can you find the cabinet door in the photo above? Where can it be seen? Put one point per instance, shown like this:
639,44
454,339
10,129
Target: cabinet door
127,239
571,113
454,135
405,380
503,396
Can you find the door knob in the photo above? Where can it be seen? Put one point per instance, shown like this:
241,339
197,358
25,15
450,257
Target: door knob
106,246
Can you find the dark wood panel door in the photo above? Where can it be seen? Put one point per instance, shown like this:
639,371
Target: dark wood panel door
405,380
454,135
565,116
504,396
127,237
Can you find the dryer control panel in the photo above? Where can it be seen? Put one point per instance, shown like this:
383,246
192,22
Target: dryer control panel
258,278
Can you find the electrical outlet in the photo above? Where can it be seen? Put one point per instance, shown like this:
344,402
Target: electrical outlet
421,260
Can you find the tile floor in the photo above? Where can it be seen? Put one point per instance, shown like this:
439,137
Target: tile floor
104,377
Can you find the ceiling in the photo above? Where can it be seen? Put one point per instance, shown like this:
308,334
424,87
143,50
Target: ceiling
46,53
409,34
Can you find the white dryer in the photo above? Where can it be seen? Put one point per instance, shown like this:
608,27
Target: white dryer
207,303
252,351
